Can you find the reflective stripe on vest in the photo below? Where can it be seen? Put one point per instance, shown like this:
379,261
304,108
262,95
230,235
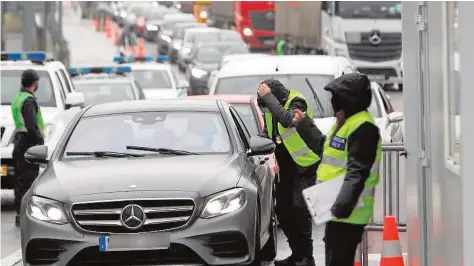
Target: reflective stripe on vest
334,164
17,107
297,148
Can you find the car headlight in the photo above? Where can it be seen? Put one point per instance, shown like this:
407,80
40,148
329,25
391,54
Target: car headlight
224,202
247,32
177,45
123,14
166,38
198,73
151,27
203,14
46,210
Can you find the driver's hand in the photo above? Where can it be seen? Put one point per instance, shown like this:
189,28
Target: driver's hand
299,115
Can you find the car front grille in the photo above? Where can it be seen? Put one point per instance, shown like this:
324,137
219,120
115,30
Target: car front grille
387,72
227,244
390,48
160,215
263,20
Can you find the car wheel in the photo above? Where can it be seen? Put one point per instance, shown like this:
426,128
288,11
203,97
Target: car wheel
269,251
257,259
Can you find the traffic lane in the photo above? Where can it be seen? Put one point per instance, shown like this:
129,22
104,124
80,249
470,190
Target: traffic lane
87,47
10,233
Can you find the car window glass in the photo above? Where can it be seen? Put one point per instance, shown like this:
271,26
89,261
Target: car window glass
153,79
64,76
96,93
248,116
200,132
241,123
386,102
11,83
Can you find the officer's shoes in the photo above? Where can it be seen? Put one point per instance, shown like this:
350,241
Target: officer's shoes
284,262
17,221
308,261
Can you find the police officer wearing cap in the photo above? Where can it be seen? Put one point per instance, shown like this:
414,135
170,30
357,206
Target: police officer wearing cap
29,128
297,163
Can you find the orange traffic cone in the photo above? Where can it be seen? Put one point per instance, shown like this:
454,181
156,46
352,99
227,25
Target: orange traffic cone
391,250
357,260
115,34
107,28
140,48
96,24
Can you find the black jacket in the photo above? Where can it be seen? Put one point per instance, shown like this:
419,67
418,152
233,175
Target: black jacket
33,136
350,94
285,118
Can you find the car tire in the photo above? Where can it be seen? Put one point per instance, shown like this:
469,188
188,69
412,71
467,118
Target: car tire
257,259
269,251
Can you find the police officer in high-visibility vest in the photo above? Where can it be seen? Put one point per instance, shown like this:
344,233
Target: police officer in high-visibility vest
284,46
352,149
29,132
297,165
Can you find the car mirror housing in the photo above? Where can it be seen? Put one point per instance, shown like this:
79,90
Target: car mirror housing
261,146
37,154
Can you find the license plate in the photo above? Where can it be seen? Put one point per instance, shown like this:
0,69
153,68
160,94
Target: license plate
151,241
4,170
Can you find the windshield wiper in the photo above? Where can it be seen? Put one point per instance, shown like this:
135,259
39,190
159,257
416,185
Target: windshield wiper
162,150
103,154
316,98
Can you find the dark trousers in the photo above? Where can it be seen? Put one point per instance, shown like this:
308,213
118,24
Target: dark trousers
292,213
341,240
25,173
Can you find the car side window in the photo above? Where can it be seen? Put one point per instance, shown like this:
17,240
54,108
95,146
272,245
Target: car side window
61,91
386,102
66,81
243,132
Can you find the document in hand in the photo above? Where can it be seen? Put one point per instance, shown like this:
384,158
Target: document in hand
321,197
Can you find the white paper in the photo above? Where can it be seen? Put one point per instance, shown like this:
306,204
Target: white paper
321,197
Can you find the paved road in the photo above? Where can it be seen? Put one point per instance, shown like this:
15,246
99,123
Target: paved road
92,48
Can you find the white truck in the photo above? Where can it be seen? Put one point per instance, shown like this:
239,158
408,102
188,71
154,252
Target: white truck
368,33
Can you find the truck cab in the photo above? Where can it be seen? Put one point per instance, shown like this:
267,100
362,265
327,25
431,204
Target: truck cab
369,34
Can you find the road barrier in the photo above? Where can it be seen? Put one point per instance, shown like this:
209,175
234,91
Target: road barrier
390,178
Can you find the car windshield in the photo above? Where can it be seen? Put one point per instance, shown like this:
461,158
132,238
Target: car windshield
96,93
209,55
248,116
206,37
171,24
248,85
181,29
198,132
153,79
369,9
11,84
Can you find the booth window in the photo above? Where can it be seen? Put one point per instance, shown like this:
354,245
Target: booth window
453,84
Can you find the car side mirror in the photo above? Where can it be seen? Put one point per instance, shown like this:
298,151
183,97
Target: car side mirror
37,154
395,117
261,146
75,99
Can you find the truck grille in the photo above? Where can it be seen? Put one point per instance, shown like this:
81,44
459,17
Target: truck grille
390,48
263,20
160,215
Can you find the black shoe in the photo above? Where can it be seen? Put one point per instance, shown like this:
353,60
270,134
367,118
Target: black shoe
285,262
307,261
17,220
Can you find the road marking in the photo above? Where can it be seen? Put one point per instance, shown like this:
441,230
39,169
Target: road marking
12,259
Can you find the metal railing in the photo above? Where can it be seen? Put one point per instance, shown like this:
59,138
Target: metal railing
390,178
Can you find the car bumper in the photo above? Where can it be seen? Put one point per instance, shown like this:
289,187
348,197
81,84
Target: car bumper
223,240
388,71
8,171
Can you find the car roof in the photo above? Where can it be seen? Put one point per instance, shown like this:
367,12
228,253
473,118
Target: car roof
289,64
153,106
231,98
101,81
22,65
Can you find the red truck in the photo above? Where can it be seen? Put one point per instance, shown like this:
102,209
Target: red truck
254,20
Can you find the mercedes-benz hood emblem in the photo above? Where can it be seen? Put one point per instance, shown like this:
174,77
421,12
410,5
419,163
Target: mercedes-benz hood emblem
375,38
133,216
